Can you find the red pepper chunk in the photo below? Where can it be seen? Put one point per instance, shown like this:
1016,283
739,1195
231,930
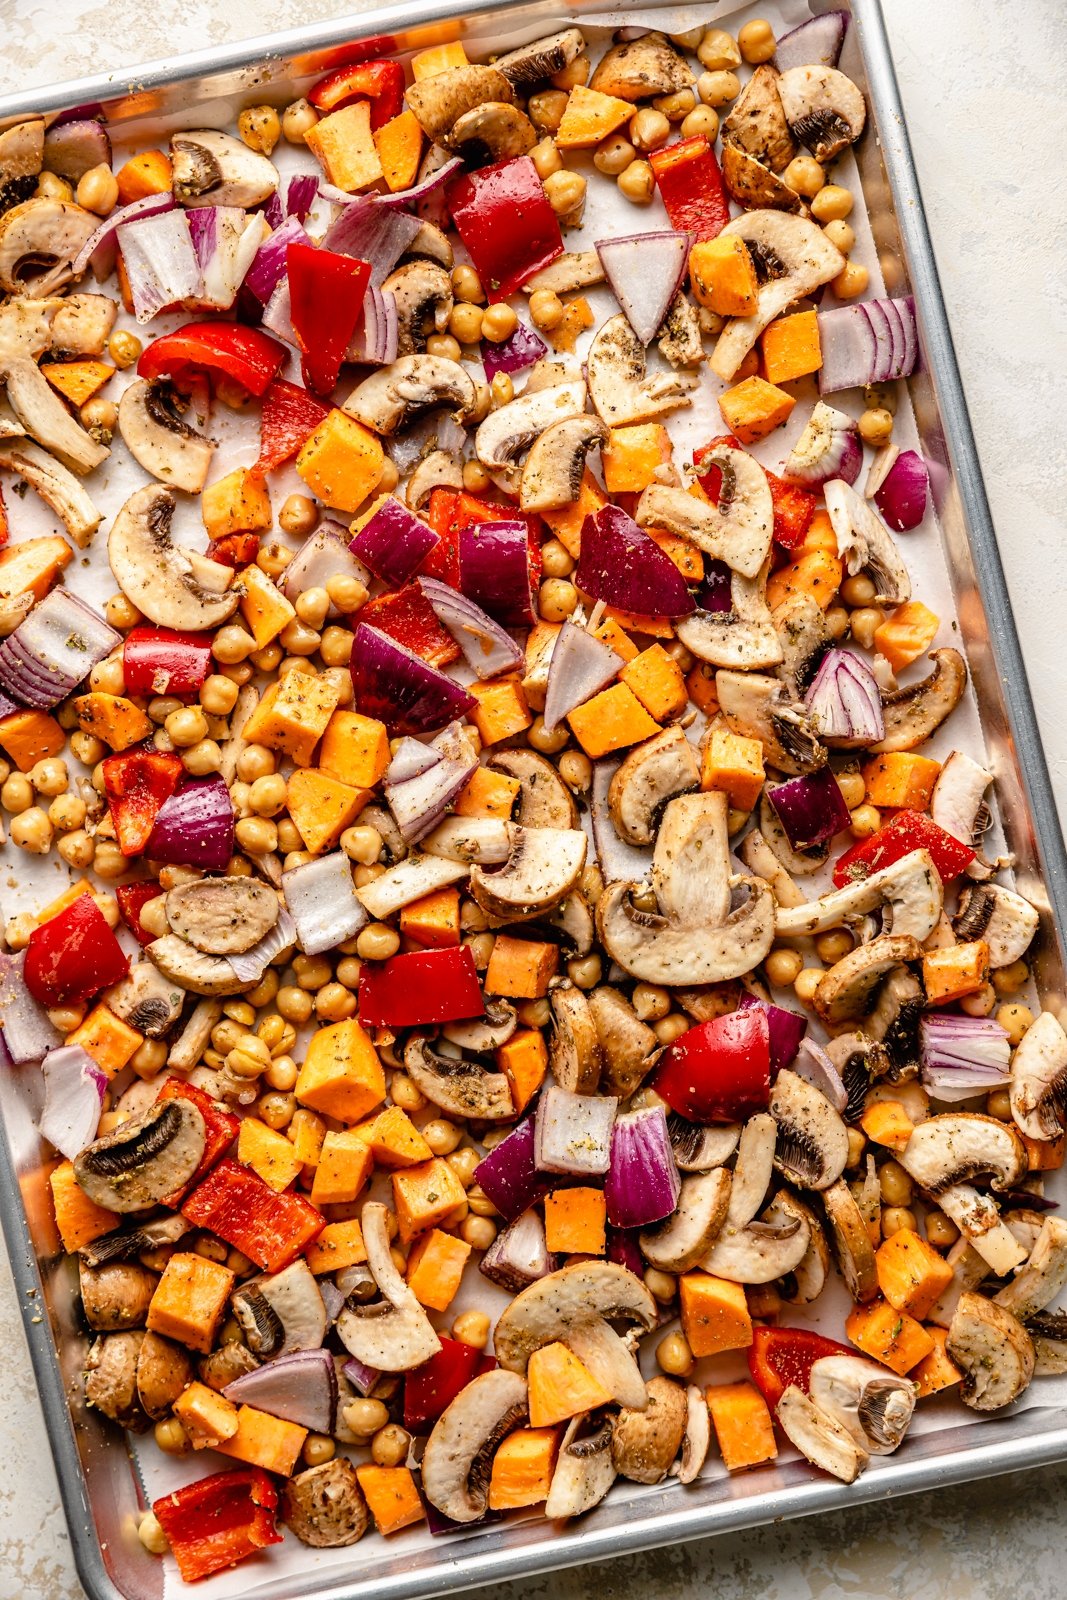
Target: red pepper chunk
430,1389
719,1071
908,831
234,550
425,986
380,82
504,218
327,291
165,661
218,1521
270,1229
288,418
408,617
247,355
73,956
132,899
220,1130
691,187
138,783
778,1357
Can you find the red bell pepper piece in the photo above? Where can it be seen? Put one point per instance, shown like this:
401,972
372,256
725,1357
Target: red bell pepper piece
408,617
430,1389
247,355
691,187
163,661
327,291
907,831
425,986
271,1229
73,955
218,1521
132,899
380,82
5,528
719,1071
137,784
220,1130
778,1357
503,216
234,550
288,418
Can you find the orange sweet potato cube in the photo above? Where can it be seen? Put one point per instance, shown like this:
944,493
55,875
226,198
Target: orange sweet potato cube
341,1075
206,1415
524,1061
1045,1155
344,145
955,971
887,1122
523,1468
501,710
399,146
432,923
435,1268
268,1153
576,1221
566,523
723,276
589,117
339,1245
937,1370
658,682
79,1219
743,1425
635,456
190,1300
754,408
911,1274
355,749
342,461
906,634
344,1167
611,720
888,1335
30,736
395,1140
561,1386
791,347
814,572
238,503
715,1314
392,1497
261,1440
264,608
322,807
425,1196
614,635
521,969
734,764
438,58
901,778
111,1042
488,794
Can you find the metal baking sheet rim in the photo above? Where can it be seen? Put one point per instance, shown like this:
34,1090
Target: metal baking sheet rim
1006,1444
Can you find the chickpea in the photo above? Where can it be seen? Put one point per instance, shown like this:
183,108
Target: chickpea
837,622
264,991
299,639
651,1002
864,821
475,477
282,1073
897,1218
267,796
276,1110
853,789
249,1057
67,812
876,427
1010,979
585,972
660,1285
806,982
120,612
804,176
834,946
465,323
442,1136
783,966
16,793
256,836
557,599
556,559
756,42
186,727
858,591
334,1003
546,157
881,397
443,344
202,758
124,348
108,677
365,1417
649,129
463,1163
864,624
566,193
313,607
232,645
299,515
856,1146
842,238
318,1448
260,128
702,122
671,1027
377,942
534,1013
895,1185
483,401
832,203
501,389
498,322
472,1328
312,972
52,187
674,1355
171,1437
545,743
405,1093
613,155
718,51
676,107
467,286
546,309
362,844
150,1533
941,1231
718,88
49,777
390,1446
576,770
108,860
852,280
32,831
255,761
347,594
297,121
390,476
478,1232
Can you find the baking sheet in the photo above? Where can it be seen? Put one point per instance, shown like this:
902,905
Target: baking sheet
292,1568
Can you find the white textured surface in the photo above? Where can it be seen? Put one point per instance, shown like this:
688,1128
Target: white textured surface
982,89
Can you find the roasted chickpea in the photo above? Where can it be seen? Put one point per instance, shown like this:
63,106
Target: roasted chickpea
853,789
365,1417
49,777
842,238
546,157
837,622
649,129
467,286
941,1231
313,607
475,477
498,322
783,967
660,1285
804,176
32,831
702,122
852,281
108,860
390,1446
575,73
299,515
318,1448
67,812
1010,979
833,946
186,727
671,1027
864,821
585,972
256,835
124,348
377,942
232,645
806,982
478,1232
502,389
856,1146
718,51
674,1355
982,1003
297,121
545,743
472,1328
346,593
442,1136
864,624
405,1093
718,88
576,770
108,677
566,192
832,203
465,322
171,1437
546,309
557,599
120,612
651,1002
444,345
260,128
756,42
876,427
895,1185
613,155
897,1218
150,1533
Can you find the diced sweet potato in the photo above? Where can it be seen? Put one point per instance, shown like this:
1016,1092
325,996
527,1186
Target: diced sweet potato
937,1370
79,1219
264,608
686,557
743,1425
395,1140
911,1274
33,565
1045,1155
392,1497
438,58
520,969
616,638
77,381
261,1440
339,1245
344,1167
715,1314
238,503
723,277
190,1300
111,1042
341,461
344,146
501,710
435,1268
906,634
306,1131
635,456
207,1416
566,522
322,807
791,347
589,117
887,1122
341,1075
293,714
955,971
30,736
754,408
658,682
814,572
426,1196
888,1335
149,172
113,718
611,720
399,146
488,794
734,764
355,749
524,1061
269,1153
576,1221
901,778
432,923
561,1386
523,1468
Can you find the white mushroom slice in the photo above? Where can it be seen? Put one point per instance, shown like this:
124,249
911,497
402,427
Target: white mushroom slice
491,132
552,1307
160,441
396,395
608,1356
760,707
512,428
736,528
394,1333
873,1405
573,919
1049,1335
215,169
468,839
544,865
651,774
913,714
115,1295
552,474
574,1049
852,1241
910,892
46,419
21,159
696,1440
145,1159
172,586
1039,1079
957,803
993,1350
1043,1276
698,1148
960,1145
582,269
408,881
824,109
58,488
753,1169
423,294
544,801
26,328
463,1088
820,1437
439,101
531,64
82,325
438,470
635,69
865,543
679,338
807,1280
980,1222
324,1506
163,1371
801,626
693,835
583,1474
39,241
628,1046
793,256
146,999
969,1269
484,1034
764,1250
644,1443
812,1147
194,970
459,1452
619,384
686,1236
281,1312
222,916
1001,917
757,123
760,859
744,637
846,992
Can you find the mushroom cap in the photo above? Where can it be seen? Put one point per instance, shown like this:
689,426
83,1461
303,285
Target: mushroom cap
753,1169
173,587
684,1238
395,395
111,1378
584,1470
913,714
649,947
763,1250
634,69
1039,1078
222,916
819,1436
147,1000
757,123
852,1241
282,1312
992,1349
644,1443
163,1371
324,1506
543,866
804,258
696,1440
1038,1283
532,63
574,1049
956,1146
458,1458
510,429
619,384
552,474
760,707
550,1308
544,801
1001,917
492,131
736,528
462,1087
743,638
910,889
628,1047
808,1278
215,169
45,234
874,1405
393,1334
651,774
846,991
146,1159
116,1294
160,441
423,294
193,970
439,101
823,107
812,1148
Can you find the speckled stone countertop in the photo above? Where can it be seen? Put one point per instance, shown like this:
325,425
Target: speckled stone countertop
983,91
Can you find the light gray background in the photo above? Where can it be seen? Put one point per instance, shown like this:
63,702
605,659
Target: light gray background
983,92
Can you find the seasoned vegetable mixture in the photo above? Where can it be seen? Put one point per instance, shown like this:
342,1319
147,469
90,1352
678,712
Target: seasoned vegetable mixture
439,838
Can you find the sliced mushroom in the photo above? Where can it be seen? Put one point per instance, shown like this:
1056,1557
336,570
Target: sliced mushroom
914,713
576,269
744,637
801,626
957,804
852,1242
628,1046
42,237
410,880
46,419
462,1087
544,801
651,774
145,1159
860,1061
21,159
764,1250
610,1358
487,1033
552,474
82,325
459,1452
824,1441
757,123
753,1169
1043,1276
215,169
797,863
393,1333
1039,1079
824,109
111,1378
147,1000
736,528
584,1471
619,383
222,916
873,1405
759,707
173,587
439,101
225,1365
956,1146
58,488
394,396
696,1439
491,132
760,859
160,441
25,331
192,970
115,1295
969,1269
434,245
846,992
639,68
544,865
807,1280
193,1039
865,544
812,1148
1049,1335
574,1048
140,1240
324,1506
573,921
679,339
910,893
511,428
993,1351
281,1312
423,294
550,1309
686,1236
754,186
532,63
980,1222
1001,917
698,1148
800,258
438,470
644,1443
163,1371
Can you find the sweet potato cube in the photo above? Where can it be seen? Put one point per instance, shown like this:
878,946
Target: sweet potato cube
269,1153
341,1075
521,969
561,1386
111,717
576,1221
77,381
355,749
391,1494
523,1468
566,522
955,971
635,456
322,807
734,764
261,1440
700,682
399,147
206,1415
686,557
723,276
791,347
435,1268
524,1061
33,566
396,1142
238,503
344,146
79,1219
658,682
937,1370
432,923
426,1196
488,794
341,461
501,710
30,736
611,720
344,1168
339,1245
190,1300
901,778
635,622
1045,1155
264,608
293,714
743,1424
887,1122
814,572
149,172
306,1133
906,634
888,1335
615,636
715,1314
589,117
911,1274
111,1042
438,58
754,408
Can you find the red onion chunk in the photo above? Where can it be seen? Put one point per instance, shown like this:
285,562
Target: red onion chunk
53,649
815,1067
321,898
301,194
300,1387
963,1056
622,566
374,342
372,233
394,685
277,315
625,1250
882,330
645,272
99,248
509,1175
816,43
519,1255
858,346
411,759
786,1030
829,447
226,240
393,542
487,648
494,570
269,266
643,1183
160,261
324,556
27,1032
844,701
716,592
580,666
427,189
904,493
195,827
811,809
574,1132
73,148
74,1088
521,350
419,801
360,1376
